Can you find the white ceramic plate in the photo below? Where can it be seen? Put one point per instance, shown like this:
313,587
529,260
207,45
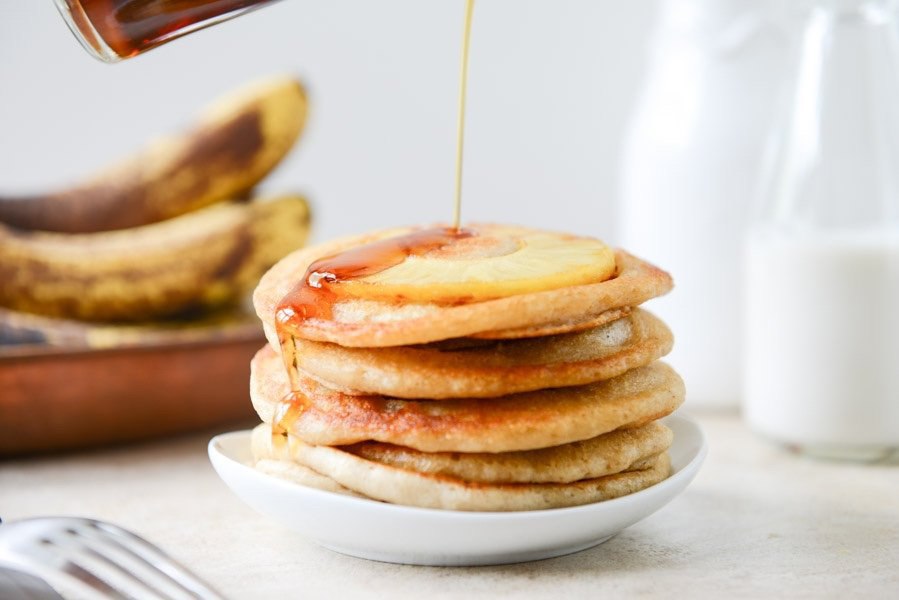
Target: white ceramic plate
422,536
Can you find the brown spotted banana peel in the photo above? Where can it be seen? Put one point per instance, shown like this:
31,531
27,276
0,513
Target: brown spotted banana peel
201,260
236,142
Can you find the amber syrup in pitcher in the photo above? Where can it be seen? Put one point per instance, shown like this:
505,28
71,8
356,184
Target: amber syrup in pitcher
117,29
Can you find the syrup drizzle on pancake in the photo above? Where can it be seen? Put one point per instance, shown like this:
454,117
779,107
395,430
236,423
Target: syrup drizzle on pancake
288,411
314,295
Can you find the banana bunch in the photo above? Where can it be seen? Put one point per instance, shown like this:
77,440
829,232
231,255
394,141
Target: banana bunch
161,234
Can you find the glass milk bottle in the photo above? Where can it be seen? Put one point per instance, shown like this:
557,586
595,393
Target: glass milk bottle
822,261
691,157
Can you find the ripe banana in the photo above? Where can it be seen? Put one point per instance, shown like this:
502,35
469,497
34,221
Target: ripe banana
204,259
235,143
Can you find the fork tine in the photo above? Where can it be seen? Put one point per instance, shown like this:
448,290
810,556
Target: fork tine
120,555
51,559
154,556
97,559
138,585
91,584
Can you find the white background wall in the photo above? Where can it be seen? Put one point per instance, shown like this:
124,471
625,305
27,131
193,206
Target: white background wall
552,82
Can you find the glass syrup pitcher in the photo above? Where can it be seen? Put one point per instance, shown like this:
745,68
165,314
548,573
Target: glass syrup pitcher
112,30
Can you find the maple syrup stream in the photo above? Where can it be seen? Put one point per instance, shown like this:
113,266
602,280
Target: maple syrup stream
314,295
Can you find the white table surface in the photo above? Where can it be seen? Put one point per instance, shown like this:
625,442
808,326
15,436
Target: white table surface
756,523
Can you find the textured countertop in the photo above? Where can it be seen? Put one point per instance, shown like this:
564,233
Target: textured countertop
757,522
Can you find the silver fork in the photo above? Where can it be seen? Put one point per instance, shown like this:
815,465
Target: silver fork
84,558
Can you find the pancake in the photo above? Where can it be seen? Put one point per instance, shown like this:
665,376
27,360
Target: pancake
401,486
525,421
302,475
563,326
491,369
372,323
272,457
607,454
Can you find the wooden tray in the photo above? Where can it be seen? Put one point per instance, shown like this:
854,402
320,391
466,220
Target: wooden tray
151,382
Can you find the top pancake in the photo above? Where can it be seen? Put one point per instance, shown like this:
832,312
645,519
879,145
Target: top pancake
372,323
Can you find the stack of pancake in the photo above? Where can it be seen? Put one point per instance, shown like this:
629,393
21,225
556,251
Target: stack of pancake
538,387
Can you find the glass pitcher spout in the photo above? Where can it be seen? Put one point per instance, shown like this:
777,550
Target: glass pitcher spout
112,30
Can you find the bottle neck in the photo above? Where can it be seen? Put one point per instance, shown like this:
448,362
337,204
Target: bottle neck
836,163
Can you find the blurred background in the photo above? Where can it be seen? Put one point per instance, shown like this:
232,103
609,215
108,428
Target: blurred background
647,124
552,86
640,123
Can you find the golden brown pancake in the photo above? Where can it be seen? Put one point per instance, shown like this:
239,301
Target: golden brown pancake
489,369
302,475
272,457
401,486
563,326
371,323
607,454
523,421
